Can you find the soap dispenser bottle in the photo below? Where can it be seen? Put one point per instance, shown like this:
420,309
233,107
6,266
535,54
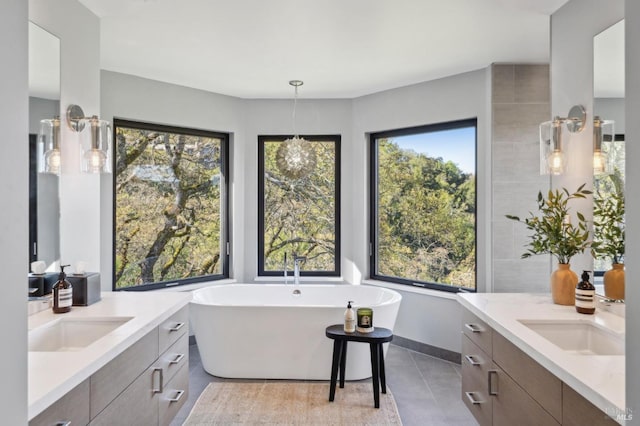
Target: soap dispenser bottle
62,293
585,295
349,319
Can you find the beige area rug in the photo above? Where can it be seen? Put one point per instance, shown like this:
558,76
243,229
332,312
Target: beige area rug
291,403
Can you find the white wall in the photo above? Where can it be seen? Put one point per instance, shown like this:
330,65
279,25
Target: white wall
572,30
632,133
79,33
14,166
423,317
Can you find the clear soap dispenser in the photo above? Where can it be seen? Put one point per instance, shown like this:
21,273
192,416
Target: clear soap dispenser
585,295
62,293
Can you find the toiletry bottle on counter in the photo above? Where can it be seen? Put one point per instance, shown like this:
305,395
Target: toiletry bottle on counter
62,293
349,319
585,295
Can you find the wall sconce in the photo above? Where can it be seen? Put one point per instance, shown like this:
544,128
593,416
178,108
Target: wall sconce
601,163
49,146
96,145
553,159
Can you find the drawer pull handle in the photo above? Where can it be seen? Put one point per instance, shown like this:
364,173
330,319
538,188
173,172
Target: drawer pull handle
160,389
491,374
176,327
177,359
472,361
177,397
63,423
472,399
473,327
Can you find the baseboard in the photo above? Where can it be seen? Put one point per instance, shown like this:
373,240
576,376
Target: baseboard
423,348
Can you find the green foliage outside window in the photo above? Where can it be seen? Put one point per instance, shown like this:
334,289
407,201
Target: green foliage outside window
426,218
167,206
300,214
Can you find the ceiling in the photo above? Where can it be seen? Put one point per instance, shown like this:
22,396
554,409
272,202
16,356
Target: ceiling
339,48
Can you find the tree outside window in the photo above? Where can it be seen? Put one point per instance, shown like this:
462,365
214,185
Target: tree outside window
170,209
423,206
299,215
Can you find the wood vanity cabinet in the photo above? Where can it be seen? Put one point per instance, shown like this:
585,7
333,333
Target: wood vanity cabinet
503,386
146,384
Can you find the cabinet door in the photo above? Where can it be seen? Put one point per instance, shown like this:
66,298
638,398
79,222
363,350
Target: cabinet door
72,408
174,358
477,330
536,380
475,367
137,405
176,392
577,411
113,378
512,405
172,329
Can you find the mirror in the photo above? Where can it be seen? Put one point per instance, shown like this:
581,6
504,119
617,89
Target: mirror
609,104
44,103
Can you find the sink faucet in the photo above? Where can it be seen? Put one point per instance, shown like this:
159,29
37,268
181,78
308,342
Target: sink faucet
296,268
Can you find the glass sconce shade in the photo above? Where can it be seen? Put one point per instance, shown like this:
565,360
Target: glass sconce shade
49,146
552,159
96,147
601,163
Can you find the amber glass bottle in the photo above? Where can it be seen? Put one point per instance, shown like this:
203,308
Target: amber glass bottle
62,293
585,295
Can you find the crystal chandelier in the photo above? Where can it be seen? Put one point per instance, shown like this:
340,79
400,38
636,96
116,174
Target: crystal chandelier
295,157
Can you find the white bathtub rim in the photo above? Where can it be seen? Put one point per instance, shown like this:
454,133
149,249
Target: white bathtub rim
395,296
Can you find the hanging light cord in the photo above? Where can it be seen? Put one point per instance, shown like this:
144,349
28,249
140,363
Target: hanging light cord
295,84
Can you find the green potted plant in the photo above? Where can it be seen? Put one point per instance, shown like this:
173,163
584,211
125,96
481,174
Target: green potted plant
553,233
609,234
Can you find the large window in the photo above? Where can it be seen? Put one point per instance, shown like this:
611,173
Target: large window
423,206
170,206
299,212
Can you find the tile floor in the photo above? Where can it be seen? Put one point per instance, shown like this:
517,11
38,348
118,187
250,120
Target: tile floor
426,389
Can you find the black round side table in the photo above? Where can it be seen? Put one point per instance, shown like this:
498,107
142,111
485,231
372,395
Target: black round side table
375,339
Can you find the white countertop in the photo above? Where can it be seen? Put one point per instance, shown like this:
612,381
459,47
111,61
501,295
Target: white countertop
53,374
598,378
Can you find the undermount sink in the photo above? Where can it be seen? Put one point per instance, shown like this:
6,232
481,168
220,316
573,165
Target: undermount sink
72,334
579,337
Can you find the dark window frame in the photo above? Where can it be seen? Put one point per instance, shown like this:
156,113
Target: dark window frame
224,195
336,139
373,201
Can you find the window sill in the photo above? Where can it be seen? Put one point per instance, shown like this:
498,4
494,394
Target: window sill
195,286
303,280
412,289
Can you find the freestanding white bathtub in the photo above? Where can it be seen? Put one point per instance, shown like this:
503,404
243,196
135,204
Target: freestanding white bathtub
265,331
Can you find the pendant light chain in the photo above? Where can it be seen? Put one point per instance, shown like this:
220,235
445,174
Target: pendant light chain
295,84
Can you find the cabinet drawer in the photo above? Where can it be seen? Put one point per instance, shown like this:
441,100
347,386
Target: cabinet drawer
477,330
512,405
137,405
176,392
475,367
171,329
110,380
536,380
577,411
72,408
175,357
